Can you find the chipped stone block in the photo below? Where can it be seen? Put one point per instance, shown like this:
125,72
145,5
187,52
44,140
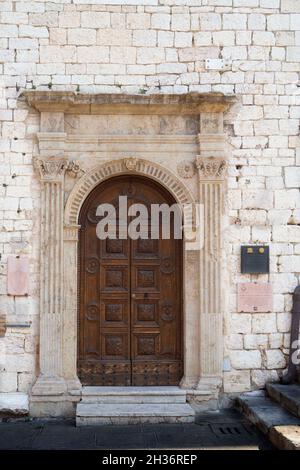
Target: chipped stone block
15,403
275,359
237,381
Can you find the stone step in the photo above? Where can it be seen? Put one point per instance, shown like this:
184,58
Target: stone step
88,414
286,437
288,396
271,419
133,395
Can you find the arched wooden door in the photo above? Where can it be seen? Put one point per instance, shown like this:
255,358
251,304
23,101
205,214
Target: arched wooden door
130,296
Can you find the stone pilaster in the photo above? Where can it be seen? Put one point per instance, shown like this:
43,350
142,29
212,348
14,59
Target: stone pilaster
211,165
211,172
51,171
70,308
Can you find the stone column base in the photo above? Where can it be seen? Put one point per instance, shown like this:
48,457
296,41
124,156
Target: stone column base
209,385
74,385
188,382
49,386
53,406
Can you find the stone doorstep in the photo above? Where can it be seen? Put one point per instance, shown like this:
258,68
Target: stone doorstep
133,405
133,395
280,426
128,413
288,396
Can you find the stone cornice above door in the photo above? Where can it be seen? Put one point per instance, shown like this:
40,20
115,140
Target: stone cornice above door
119,103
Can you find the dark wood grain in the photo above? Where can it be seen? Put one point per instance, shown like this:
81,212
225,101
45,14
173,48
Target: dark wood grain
130,296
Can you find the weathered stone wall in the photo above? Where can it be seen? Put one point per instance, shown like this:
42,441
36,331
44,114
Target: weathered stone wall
161,46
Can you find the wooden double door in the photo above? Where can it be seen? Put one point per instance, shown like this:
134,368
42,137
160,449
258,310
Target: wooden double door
130,295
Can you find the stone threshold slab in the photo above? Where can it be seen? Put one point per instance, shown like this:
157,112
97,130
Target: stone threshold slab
133,395
147,390
146,409
95,414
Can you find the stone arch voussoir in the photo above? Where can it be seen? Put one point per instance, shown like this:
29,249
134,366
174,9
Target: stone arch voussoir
109,169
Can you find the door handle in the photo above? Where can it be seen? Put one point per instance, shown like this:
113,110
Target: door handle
133,296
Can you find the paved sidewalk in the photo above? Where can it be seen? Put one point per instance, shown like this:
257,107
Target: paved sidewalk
215,430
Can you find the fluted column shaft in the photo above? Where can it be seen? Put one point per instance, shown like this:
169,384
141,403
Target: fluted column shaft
211,172
50,380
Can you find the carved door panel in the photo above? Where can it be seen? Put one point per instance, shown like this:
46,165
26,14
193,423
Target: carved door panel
130,309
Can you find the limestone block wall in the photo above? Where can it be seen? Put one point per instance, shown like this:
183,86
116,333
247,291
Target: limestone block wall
160,46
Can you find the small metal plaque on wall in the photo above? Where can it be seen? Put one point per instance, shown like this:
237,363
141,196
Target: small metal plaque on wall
254,259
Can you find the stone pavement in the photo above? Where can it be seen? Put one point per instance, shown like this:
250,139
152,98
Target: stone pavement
212,430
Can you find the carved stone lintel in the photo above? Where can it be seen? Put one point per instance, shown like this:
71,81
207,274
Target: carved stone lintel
130,163
211,167
211,123
52,122
186,169
50,169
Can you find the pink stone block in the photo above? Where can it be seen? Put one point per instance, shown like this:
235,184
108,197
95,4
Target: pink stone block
17,275
254,297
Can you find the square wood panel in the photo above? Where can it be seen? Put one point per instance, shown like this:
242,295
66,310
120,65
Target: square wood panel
145,345
146,278
115,345
145,313
145,249
114,249
114,278
114,312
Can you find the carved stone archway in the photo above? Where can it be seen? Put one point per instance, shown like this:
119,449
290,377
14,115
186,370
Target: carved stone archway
57,387
117,167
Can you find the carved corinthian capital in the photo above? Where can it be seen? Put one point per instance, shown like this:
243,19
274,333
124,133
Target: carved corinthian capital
211,167
50,168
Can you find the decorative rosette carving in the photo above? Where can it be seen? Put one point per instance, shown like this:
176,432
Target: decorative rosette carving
186,169
167,312
74,169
